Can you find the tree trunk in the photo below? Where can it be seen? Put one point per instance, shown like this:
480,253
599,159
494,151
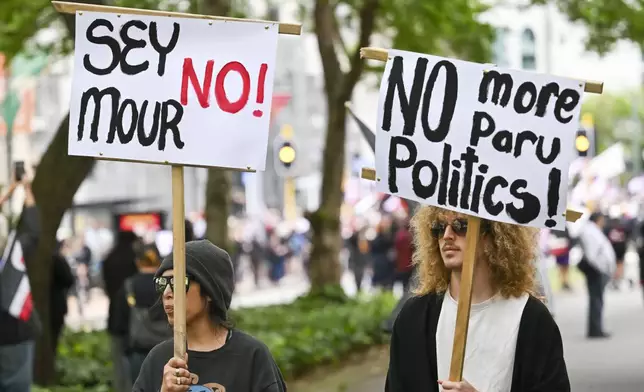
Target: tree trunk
58,177
325,268
218,207
218,203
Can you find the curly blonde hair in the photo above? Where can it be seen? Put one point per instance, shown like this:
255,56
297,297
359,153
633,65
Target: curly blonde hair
509,253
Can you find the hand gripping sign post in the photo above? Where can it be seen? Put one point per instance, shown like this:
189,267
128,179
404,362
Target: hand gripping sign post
479,140
172,88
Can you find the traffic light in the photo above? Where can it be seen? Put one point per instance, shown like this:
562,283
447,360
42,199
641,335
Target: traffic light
582,143
286,154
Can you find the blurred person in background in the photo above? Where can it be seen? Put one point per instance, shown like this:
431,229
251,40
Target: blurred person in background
404,246
219,357
358,248
382,251
598,265
119,265
617,231
513,342
18,331
62,280
559,247
140,323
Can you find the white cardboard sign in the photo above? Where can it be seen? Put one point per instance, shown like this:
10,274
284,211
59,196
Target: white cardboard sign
475,139
172,90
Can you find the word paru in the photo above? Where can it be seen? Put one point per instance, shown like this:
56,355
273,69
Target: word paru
483,142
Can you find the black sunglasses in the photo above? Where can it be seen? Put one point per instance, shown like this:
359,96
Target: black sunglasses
162,282
459,226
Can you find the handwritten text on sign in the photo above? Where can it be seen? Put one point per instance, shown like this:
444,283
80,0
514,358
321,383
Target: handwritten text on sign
172,90
486,142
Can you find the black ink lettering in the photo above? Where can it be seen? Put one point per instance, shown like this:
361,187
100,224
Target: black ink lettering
546,92
554,150
395,163
423,191
454,183
568,101
449,101
488,202
477,130
456,164
163,50
478,186
498,81
97,95
171,125
148,140
131,43
125,137
554,181
408,107
531,204
469,158
524,89
522,137
502,141
442,188
102,40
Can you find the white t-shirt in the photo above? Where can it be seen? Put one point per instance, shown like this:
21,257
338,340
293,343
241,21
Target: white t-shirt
491,341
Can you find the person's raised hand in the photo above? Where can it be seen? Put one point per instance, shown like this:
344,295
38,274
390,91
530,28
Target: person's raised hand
459,386
176,377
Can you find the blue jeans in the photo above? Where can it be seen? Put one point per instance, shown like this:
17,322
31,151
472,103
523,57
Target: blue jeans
16,367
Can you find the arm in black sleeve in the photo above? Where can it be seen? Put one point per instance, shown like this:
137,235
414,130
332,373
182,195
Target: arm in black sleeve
267,376
394,383
554,374
29,229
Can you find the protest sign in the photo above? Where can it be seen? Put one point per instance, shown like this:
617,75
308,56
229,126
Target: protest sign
143,89
172,90
479,140
474,122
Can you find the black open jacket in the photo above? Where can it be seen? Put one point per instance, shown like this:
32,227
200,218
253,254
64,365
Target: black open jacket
539,364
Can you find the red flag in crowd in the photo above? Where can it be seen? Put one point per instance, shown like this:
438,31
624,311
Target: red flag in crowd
15,291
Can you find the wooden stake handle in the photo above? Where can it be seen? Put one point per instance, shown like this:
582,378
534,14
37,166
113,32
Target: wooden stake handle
380,54
71,8
370,174
179,258
464,299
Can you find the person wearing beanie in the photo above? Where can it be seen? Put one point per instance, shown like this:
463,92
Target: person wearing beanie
219,357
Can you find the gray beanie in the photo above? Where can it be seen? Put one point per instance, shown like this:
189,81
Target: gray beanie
212,268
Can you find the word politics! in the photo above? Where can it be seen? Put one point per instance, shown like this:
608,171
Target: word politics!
477,140
143,86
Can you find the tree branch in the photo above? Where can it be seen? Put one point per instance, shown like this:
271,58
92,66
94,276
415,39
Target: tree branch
324,20
357,64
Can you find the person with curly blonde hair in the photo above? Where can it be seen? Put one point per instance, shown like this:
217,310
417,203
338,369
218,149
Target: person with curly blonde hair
513,345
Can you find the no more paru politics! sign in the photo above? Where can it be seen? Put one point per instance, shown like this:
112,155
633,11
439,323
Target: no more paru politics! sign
172,90
476,139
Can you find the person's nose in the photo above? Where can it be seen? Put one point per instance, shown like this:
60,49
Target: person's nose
449,233
167,293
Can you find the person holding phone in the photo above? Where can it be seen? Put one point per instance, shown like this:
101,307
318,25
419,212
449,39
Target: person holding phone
17,337
219,357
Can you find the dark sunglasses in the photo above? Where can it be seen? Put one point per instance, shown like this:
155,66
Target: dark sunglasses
459,226
162,282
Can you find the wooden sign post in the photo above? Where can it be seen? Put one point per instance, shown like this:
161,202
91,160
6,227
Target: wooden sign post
396,85
147,99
